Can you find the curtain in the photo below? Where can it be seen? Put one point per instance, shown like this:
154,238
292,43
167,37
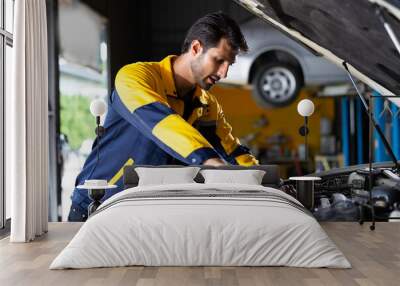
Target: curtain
27,123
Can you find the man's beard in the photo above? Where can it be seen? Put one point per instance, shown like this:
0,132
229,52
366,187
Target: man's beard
196,67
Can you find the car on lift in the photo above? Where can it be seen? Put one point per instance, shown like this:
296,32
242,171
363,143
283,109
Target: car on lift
277,67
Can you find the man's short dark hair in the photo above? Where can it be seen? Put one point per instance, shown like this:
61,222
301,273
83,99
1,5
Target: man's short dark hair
211,28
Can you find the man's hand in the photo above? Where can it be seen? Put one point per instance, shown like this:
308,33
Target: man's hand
214,162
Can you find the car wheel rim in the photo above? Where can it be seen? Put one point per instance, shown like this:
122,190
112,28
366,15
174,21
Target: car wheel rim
278,84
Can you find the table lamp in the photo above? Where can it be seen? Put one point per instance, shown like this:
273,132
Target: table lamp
305,108
98,108
97,187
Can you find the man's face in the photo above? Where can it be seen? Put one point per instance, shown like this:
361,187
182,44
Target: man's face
210,66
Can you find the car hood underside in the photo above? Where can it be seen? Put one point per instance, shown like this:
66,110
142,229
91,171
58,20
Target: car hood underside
342,31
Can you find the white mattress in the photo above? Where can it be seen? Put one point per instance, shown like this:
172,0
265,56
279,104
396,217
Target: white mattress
199,224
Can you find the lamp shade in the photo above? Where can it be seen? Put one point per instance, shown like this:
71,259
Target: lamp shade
305,107
98,107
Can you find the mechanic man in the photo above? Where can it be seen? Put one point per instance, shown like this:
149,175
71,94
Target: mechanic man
162,113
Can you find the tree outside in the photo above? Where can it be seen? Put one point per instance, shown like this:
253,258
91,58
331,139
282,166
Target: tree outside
77,123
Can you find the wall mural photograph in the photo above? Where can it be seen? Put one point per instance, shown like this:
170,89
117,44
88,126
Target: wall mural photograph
232,142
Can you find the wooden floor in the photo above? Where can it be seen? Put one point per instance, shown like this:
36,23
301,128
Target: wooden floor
374,255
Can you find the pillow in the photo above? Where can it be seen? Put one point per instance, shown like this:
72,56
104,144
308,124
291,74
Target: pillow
248,177
162,176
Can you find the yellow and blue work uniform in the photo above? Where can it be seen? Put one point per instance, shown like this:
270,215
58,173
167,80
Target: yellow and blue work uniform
147,123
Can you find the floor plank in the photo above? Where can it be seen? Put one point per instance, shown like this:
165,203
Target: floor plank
374,255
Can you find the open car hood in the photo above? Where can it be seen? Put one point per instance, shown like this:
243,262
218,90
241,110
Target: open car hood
349,31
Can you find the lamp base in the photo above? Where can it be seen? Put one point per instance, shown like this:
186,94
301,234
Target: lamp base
96,191
96,195
305,190
305,193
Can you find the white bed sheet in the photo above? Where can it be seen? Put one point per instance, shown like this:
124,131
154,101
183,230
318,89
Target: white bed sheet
189,231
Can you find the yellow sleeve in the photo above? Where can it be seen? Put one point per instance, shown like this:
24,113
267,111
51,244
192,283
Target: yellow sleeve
138,101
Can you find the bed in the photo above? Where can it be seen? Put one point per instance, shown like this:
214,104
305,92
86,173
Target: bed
201,224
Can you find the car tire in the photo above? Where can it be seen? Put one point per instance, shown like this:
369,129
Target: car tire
276,84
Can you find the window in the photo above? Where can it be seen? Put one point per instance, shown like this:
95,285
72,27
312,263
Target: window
9,16
6,45
83,69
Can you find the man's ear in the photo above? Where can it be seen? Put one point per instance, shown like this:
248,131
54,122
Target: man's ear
196,48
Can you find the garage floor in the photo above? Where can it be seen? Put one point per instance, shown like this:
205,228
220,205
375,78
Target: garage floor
375,257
